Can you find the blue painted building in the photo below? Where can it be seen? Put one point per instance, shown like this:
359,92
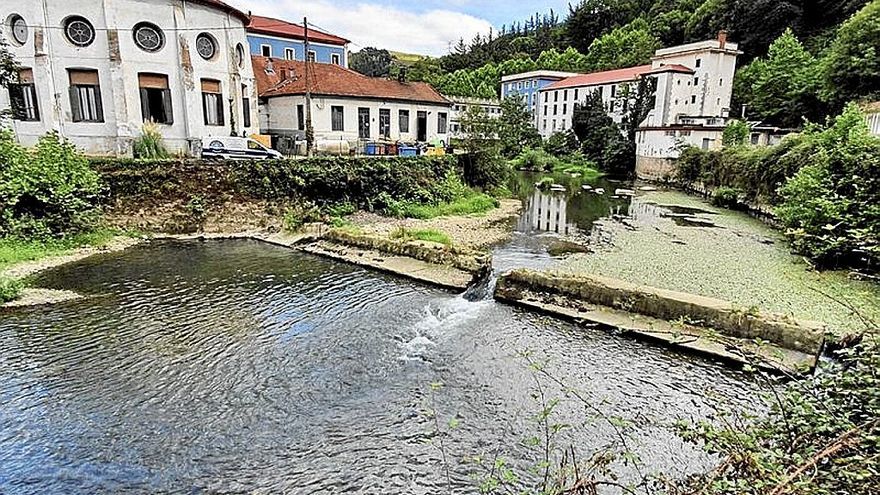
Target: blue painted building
280,39
529,84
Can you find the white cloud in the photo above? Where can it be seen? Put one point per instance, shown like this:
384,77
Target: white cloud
371,24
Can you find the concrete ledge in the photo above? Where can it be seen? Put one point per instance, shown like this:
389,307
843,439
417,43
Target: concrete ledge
473,262
802,336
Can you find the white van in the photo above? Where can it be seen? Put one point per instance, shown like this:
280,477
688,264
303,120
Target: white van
236,148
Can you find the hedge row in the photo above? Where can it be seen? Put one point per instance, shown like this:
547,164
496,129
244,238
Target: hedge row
324,180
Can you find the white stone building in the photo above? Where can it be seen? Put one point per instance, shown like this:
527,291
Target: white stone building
461,104
347,106
95,71
690,109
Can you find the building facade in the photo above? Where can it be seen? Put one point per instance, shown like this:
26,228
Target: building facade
275,38
528,84
462,104
96,71
347,106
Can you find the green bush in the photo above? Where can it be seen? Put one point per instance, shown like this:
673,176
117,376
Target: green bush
725,197
10,289
150,144
824,183
820,436
831,207
359,181
562,143
485,170
535,160
296,218
47,191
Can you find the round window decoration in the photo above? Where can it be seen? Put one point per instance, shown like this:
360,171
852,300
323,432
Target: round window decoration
148,37
206,46
239,55
19,29
79,31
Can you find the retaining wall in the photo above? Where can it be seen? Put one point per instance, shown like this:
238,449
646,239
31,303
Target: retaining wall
722,316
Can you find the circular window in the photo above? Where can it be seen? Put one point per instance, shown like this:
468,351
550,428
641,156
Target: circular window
18,28
239,55
206,46
148,37
79,31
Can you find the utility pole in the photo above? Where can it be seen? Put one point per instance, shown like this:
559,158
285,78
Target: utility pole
310,132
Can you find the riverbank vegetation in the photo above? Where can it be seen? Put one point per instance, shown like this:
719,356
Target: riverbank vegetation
430,235
821,183
821,435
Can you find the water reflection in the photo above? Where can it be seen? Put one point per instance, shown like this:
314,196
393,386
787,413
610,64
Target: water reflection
572,212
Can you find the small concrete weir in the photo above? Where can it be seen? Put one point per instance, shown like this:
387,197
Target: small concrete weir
695,323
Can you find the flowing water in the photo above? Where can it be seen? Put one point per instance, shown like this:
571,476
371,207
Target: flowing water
239,367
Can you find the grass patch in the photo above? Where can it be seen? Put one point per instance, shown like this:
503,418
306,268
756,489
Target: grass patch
474,203
14,250
10,289
430,235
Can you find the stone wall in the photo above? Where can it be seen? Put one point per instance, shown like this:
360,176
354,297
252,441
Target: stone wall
655,169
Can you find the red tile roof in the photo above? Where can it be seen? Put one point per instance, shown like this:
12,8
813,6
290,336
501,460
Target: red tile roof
285,29
604,77
333,80
217,4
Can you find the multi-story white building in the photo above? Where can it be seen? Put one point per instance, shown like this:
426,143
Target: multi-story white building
461,104
694,85
346,106
690,109
96,71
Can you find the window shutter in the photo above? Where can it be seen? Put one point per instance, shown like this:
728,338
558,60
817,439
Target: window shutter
99,104
33,90
16,100
169,109
205,107
145,105
75,108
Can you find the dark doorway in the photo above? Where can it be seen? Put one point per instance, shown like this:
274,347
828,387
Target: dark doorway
422,126
364,123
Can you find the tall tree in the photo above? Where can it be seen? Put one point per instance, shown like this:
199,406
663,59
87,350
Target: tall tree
851,68
625,46
602,140
516,128
371,62
783,87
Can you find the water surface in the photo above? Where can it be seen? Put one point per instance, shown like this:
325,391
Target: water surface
235,366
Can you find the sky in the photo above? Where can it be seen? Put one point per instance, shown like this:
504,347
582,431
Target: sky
425,27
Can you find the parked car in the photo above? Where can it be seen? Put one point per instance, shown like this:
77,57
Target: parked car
236,148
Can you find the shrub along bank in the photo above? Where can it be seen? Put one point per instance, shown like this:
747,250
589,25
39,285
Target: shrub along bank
323,180
823,183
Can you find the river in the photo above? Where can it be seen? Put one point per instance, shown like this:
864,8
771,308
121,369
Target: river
240,367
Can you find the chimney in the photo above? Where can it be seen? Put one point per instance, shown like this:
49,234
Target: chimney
401,75
270,67
283,74
722,38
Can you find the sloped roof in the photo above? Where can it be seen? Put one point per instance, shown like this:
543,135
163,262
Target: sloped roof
604,77
217,4
333,80
285,29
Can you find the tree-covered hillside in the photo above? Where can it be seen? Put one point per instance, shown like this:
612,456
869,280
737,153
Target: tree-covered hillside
802,58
